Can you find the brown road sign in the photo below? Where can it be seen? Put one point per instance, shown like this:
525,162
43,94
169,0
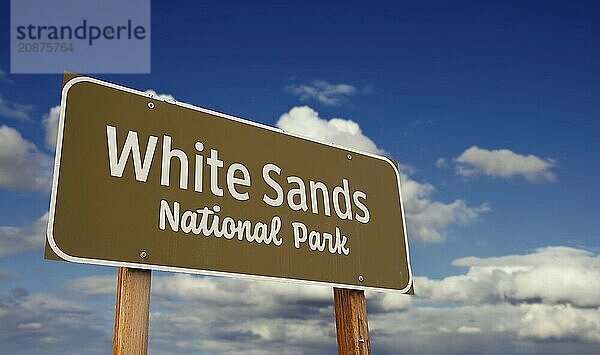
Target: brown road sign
144,182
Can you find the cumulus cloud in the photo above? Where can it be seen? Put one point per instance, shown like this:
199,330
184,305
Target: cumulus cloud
477,309
556,322
385,302
15,240
321,91
454,315
14,110
425,217
491,328
224,315
552,275
22,165
547,301
504,163
186,323
192,314
50,122
263,296
305,121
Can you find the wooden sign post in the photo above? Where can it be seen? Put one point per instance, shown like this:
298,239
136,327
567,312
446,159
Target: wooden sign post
351,322
131,312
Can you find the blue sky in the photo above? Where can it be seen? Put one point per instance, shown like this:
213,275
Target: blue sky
491,108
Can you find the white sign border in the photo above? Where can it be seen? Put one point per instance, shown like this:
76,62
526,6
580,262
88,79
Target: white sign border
61,254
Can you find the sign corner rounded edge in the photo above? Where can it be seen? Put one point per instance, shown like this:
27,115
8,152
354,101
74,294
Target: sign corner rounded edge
52,243
73,81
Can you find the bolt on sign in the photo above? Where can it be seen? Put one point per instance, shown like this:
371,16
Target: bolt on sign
144,182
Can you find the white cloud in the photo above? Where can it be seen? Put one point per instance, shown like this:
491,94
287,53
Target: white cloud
14,110
383,302
262,296
15,240
546,322
505,164
425,217
191,314
322,91
22,165
306,122
551,275
497,328
222,315
162,96
50,122
545,302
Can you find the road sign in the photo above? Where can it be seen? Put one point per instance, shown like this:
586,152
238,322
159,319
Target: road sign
144,182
